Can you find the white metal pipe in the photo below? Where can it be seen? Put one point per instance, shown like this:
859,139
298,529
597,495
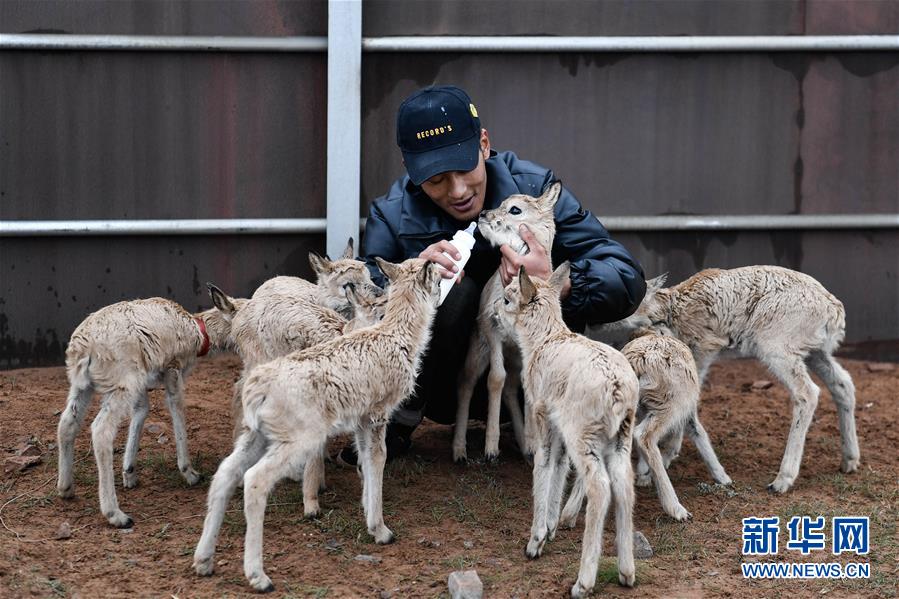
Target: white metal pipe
344,140
716,43
163,43
249,226
753,222
238,226
705,43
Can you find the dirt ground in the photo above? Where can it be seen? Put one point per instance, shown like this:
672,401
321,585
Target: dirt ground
446,517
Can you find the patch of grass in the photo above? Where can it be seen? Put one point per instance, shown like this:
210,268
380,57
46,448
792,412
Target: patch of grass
234,523
674,538
304,590
85,475
164,466
339,525
163,532
460,562
437,513
717,490
57,587
862,484
286,498
607,572
479,495
461,512
802,508
48,498
406,470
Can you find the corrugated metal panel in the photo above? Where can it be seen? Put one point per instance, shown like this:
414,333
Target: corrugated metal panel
860,268
190,135
48,285
582,17
167,17
162,135
847,17
671,134
623,17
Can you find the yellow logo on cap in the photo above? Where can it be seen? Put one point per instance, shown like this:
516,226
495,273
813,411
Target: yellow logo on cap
435,131
474,111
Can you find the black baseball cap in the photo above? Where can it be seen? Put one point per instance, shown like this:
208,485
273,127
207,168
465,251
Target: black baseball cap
438,130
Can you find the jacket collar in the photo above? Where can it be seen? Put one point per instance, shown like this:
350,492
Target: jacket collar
423,219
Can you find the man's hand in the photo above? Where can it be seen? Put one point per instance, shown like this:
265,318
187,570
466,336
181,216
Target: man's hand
536,262
435,253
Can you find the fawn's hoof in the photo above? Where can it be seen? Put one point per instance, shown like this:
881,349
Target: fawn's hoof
129,479
780,485
534,548
491,458
67,492
679,513
191,476
578,591
724,479
643,480
204,566
120,519
312,512
261,583
568,521
626,579
383,536
849,465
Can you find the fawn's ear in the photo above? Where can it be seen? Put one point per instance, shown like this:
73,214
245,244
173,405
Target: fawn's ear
389,269
653,285
353,296
373,291
430,273
560,275
549,198
528,289
348,253
320,265
221,300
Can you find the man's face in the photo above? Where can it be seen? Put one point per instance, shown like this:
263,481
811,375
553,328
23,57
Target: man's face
461,194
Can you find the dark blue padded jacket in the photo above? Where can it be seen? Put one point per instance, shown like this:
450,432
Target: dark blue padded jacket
607,283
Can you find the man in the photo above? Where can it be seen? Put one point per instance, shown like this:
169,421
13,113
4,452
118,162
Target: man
452,175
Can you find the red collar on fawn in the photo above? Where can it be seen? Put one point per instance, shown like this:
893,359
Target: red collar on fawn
204,349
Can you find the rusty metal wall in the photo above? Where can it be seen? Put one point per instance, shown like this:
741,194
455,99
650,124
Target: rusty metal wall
192,135
629,17
166,17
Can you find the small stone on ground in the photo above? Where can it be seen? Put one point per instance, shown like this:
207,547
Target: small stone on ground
465,585
642,548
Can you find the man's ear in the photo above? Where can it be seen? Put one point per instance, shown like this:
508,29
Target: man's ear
528,289
560,275
485,144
